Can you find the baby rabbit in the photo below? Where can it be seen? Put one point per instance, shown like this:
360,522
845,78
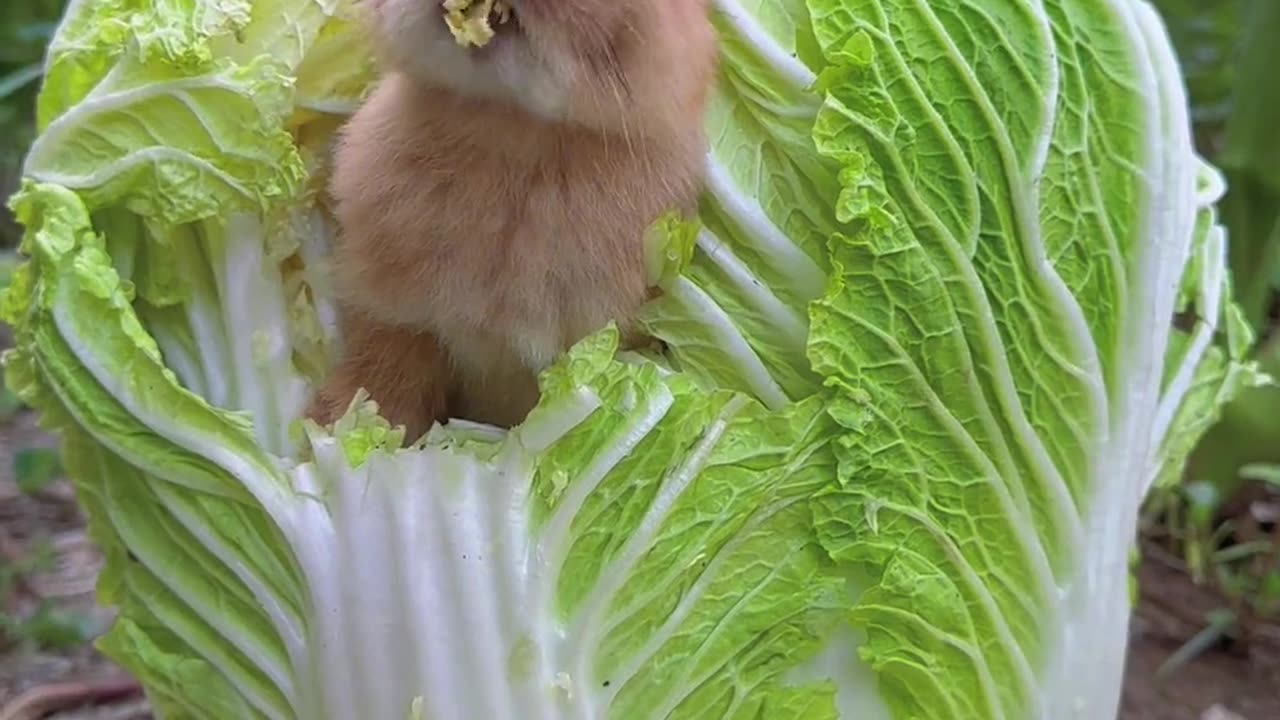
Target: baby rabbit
492,201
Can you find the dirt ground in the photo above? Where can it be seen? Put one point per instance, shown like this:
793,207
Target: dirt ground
1224,683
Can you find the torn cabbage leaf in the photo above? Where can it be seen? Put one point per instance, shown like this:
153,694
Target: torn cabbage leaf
471,21
921,372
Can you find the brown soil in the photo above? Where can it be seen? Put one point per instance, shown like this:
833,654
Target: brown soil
1225,683
32,682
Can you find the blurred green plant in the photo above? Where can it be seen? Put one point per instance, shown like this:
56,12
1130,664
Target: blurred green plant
25,29
1206,36
1250,155
1230,54
9,403
46,626
1217,519
36,468
1238,556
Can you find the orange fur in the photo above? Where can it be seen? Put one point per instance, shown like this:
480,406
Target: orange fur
375,361
493,202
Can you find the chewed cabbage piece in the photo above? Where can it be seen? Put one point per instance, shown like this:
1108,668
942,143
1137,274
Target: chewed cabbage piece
471,21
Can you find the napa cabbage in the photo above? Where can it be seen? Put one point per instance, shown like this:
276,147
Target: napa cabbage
956,296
